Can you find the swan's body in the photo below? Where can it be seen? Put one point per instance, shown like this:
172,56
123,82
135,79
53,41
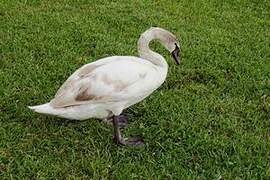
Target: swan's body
106,87
103,87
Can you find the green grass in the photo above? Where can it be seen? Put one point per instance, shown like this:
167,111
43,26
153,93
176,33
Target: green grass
209,120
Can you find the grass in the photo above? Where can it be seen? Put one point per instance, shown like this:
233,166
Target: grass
209,120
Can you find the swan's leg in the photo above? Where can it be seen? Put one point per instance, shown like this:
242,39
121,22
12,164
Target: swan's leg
122,120
135,141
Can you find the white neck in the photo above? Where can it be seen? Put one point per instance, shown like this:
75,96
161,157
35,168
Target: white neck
146,53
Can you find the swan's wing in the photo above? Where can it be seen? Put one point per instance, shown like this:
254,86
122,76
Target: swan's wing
102,82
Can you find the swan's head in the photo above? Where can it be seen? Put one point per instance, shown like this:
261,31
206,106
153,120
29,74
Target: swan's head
169,41
166,38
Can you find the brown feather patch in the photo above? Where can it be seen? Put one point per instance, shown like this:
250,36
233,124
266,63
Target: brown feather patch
118,85
84,96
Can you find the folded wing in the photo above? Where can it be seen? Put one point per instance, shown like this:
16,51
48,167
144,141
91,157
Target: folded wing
102,81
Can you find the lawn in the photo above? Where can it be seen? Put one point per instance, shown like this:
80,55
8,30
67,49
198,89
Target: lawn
209,120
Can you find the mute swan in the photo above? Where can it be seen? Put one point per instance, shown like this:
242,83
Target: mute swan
104,88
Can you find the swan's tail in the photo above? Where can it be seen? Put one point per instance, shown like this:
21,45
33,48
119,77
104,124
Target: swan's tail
43,109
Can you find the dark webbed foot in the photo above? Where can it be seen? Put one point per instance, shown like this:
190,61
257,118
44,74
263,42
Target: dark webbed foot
132,141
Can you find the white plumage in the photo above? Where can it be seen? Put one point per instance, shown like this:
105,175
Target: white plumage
106,87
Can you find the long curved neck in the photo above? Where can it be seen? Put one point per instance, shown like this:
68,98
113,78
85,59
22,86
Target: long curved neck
146,53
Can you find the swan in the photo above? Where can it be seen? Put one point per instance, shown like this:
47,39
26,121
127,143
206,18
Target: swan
104,88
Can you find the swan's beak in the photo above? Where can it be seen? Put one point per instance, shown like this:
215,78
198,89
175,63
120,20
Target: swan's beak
175,54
